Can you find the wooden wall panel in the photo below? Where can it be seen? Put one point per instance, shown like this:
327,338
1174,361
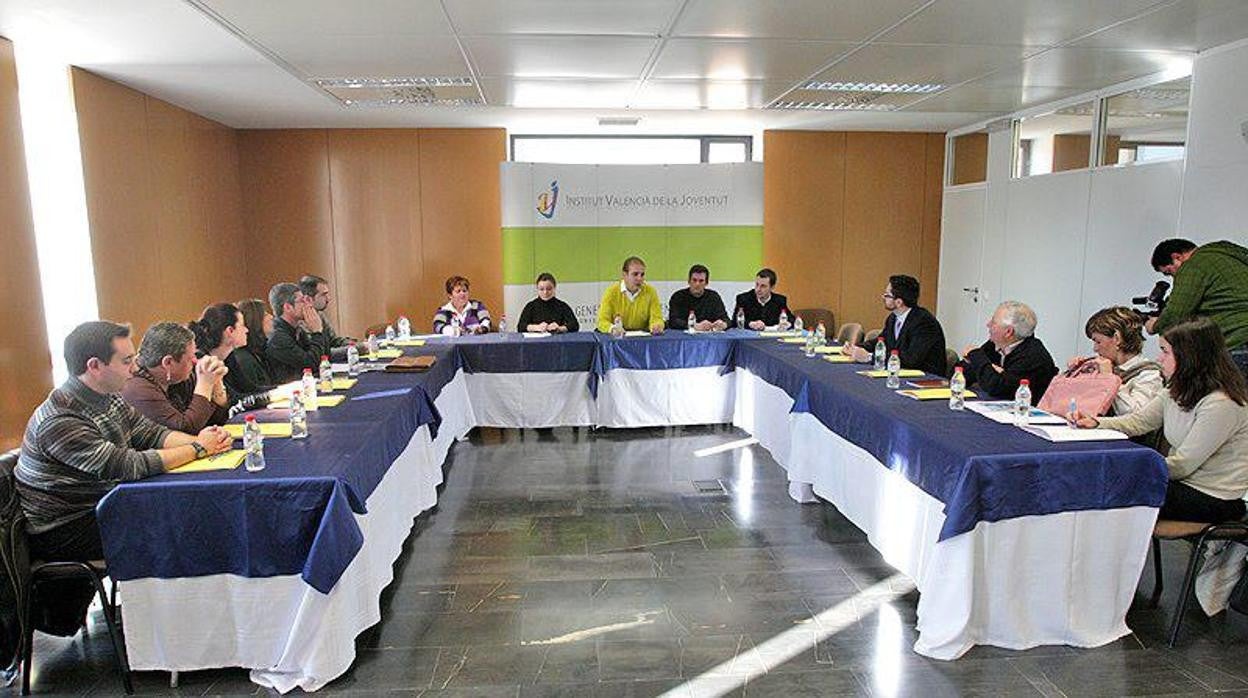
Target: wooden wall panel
163,204
375,190
461,213
970,158
803,215
286,207
842,211
25,364
1071,151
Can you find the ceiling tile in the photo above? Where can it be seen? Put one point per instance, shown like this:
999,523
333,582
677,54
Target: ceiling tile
1012,22
707,94
1190,25
328,17
792,19
989,100
1084,68
942,65
560,56
742,59
369,56
647,17
559,94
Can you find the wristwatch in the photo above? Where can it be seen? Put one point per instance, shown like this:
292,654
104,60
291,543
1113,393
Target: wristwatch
200,451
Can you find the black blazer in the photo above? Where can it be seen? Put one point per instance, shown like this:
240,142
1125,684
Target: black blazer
921,344
1028,360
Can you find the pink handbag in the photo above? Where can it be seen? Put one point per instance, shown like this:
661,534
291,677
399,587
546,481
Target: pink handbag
1092,391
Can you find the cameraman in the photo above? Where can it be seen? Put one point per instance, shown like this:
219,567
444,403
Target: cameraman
1210,280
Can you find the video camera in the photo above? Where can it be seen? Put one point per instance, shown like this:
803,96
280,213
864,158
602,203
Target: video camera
1155,302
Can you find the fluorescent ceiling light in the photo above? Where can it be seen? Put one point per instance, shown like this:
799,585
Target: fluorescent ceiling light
840,105
879,87
360,83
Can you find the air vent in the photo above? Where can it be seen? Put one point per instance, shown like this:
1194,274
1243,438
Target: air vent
618,120
403,91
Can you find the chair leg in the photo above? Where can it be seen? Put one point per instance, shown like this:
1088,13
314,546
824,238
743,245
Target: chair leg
1189,580
1157,575
123,664
28,646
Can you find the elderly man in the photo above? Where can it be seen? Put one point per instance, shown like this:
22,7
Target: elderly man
298,339
1011,354
633,301
84,440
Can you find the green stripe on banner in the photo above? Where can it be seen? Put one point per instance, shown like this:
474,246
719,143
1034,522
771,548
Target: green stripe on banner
732,252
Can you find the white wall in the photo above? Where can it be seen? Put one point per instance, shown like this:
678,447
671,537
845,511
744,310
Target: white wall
1215,196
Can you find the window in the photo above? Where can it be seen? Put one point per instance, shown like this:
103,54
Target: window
969,159
1055,142
1145,124
631,150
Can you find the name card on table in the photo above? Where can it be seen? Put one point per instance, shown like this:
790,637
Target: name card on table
268,429
407,343
387,354
904,373
227,460
321,401
839,359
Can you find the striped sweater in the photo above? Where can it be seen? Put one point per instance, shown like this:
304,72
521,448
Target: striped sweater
78,445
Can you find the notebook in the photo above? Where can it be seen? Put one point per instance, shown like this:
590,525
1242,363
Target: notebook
1062,433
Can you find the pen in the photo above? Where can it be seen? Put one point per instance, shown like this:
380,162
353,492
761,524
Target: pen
1070,413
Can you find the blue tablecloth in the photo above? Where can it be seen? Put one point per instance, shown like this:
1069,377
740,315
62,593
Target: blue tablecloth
979,469
295,517
512,352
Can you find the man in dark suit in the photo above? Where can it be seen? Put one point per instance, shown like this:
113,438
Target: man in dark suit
1011,354
761,307
914,332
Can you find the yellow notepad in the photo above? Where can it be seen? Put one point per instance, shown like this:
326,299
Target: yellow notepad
792,340
777,333
839,359
904,373
227,460
387,354
344,383
828,349
268,429
407,343
321,401
932,393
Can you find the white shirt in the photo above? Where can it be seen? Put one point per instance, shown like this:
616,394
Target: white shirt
630,295
899,321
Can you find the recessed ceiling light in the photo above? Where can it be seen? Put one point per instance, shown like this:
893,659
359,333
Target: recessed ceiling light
361,83
880,87
834,105
618,120
434,91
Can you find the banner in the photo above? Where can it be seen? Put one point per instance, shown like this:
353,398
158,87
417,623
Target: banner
579,222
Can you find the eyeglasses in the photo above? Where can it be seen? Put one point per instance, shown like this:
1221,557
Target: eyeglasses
887,296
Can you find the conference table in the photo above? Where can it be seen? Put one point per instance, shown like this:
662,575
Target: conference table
1011,540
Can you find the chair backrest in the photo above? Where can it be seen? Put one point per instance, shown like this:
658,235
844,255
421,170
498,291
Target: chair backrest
14,562
951,358
849,333
379,330
811,317
871,336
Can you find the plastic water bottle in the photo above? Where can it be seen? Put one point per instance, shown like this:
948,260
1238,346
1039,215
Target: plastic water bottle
881,355
405,327
894,370
797,323
502,324
456,328
1022,402
811,341
741,319
821,335
784,317
617,326
326,374
253,444
372,344
957,390
298,416
353,360
309,391
389,333
693,320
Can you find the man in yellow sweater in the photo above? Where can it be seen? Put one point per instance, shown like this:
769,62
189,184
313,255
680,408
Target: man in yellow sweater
633,301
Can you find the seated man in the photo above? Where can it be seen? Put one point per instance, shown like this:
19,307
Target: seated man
634,301
84,440
761,306
317,289
298,339
911,330
1010,355
706,305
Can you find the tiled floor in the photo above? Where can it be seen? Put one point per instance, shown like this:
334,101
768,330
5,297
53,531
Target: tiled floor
578,563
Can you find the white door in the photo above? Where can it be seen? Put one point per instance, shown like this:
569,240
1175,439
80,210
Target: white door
959,298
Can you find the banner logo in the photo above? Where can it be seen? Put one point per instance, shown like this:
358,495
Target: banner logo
546,201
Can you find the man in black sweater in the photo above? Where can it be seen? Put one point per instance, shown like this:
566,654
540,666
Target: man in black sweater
298,339
707,306
914,332
761,306
1010,355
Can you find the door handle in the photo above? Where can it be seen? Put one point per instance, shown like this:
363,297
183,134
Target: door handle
974,291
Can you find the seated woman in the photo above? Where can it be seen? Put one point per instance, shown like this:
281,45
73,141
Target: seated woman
171,387
472,315
547,313
1117,336
220,332
1204,413
249,373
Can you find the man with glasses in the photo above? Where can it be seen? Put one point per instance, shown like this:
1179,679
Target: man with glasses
914,332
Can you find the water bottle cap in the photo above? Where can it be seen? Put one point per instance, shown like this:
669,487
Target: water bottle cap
324,357
296,392
351,343
896,352
307,370
957,369
1024,382
249,418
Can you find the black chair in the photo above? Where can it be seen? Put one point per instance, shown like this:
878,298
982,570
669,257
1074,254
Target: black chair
951,360
1198,535
43,571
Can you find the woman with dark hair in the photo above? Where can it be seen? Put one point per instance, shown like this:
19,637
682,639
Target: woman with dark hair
1204,414
219,332
172,386
1117,335
249,373
472,315
547,313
